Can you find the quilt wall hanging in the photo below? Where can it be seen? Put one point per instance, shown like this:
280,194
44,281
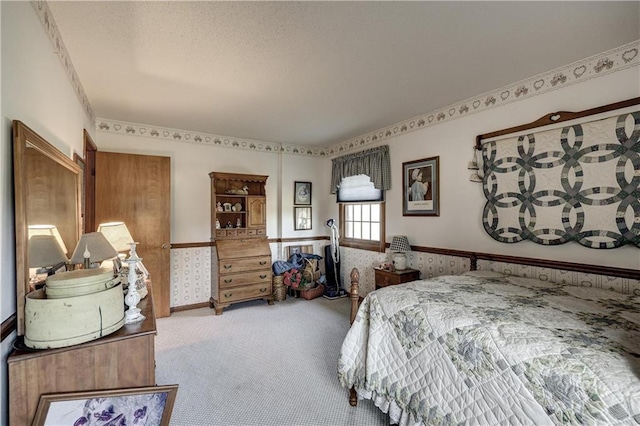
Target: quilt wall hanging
578,182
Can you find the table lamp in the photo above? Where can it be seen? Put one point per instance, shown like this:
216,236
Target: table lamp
117,234
93,247
120,238
46,254
48,230
399,245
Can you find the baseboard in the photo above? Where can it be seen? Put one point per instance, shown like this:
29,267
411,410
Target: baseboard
189,307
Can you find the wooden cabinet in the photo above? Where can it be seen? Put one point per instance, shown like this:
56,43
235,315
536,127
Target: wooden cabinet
242,255
244,272
123,359
238,205
257,213
385,278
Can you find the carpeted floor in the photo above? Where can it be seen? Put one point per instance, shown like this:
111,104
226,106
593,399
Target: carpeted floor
259,365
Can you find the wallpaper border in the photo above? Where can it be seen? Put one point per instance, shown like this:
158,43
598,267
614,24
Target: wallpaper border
51,29
608,62
617,59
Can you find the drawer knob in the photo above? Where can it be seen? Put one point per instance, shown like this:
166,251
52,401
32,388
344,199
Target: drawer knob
262,277
227,295
263,289
228,280
228,266
264,262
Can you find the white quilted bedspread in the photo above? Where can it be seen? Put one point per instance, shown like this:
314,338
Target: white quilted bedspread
497,350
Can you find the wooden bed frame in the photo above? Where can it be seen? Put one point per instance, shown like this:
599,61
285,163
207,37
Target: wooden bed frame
354,290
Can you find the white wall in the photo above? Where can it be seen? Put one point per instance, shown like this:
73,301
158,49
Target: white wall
459,225
190,183
36,91
305,169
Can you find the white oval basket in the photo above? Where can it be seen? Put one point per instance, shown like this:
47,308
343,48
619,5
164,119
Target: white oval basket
57,323
80,282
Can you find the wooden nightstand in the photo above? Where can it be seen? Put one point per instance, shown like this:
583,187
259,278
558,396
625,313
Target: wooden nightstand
386,278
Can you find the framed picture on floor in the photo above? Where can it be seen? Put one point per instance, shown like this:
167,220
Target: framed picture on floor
421,187
147,406
302,193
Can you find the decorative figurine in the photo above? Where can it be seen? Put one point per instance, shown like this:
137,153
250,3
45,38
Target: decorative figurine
217,224
219,206
238,223
132,315
243,191
229,225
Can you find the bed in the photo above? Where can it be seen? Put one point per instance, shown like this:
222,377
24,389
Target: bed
488,348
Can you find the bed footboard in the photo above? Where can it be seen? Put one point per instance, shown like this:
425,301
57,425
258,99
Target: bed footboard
354,293
355,303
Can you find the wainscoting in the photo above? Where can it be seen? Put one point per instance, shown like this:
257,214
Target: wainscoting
191,269
190,276
436,264
618,284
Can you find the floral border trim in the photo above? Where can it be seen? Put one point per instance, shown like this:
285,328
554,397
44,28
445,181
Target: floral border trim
617,59
176,135
46,18
613,60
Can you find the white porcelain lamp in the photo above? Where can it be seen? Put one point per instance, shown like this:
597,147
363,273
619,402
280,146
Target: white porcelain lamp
399,246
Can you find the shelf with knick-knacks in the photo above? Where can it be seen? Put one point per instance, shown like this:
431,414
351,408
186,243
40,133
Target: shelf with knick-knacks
238,205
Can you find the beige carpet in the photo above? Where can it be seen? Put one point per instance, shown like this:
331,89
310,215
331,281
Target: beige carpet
259,365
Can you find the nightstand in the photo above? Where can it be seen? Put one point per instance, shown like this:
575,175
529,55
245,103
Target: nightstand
385,278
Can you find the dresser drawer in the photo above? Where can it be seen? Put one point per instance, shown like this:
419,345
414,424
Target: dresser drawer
231,266
387,278
252,291
244,278
229,232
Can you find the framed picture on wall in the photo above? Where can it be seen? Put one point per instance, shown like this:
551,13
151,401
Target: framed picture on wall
301,218
302,193
421,187
149,405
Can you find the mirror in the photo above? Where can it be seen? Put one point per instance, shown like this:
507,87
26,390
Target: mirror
47,192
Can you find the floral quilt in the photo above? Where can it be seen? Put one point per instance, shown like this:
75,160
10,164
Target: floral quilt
493,349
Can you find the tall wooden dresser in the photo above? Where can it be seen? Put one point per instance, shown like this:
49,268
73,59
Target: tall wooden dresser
242,257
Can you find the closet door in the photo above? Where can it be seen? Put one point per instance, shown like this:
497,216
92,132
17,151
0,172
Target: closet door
135,189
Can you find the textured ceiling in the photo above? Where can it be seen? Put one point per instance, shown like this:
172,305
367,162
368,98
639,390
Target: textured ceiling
319,73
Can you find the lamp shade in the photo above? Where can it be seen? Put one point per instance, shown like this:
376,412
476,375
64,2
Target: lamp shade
98,247
117,234
44,251
400,243
48,230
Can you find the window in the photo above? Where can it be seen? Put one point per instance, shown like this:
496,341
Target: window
362,214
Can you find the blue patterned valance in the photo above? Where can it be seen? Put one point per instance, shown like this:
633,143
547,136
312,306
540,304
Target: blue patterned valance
374,162
580,182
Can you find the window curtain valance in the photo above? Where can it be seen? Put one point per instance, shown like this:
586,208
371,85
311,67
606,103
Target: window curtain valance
373,162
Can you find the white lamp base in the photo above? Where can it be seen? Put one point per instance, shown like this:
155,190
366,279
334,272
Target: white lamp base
399,261
133,315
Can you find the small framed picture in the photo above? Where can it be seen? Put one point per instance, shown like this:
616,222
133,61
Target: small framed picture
301,218
294,250
421,187
147,406
302,193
